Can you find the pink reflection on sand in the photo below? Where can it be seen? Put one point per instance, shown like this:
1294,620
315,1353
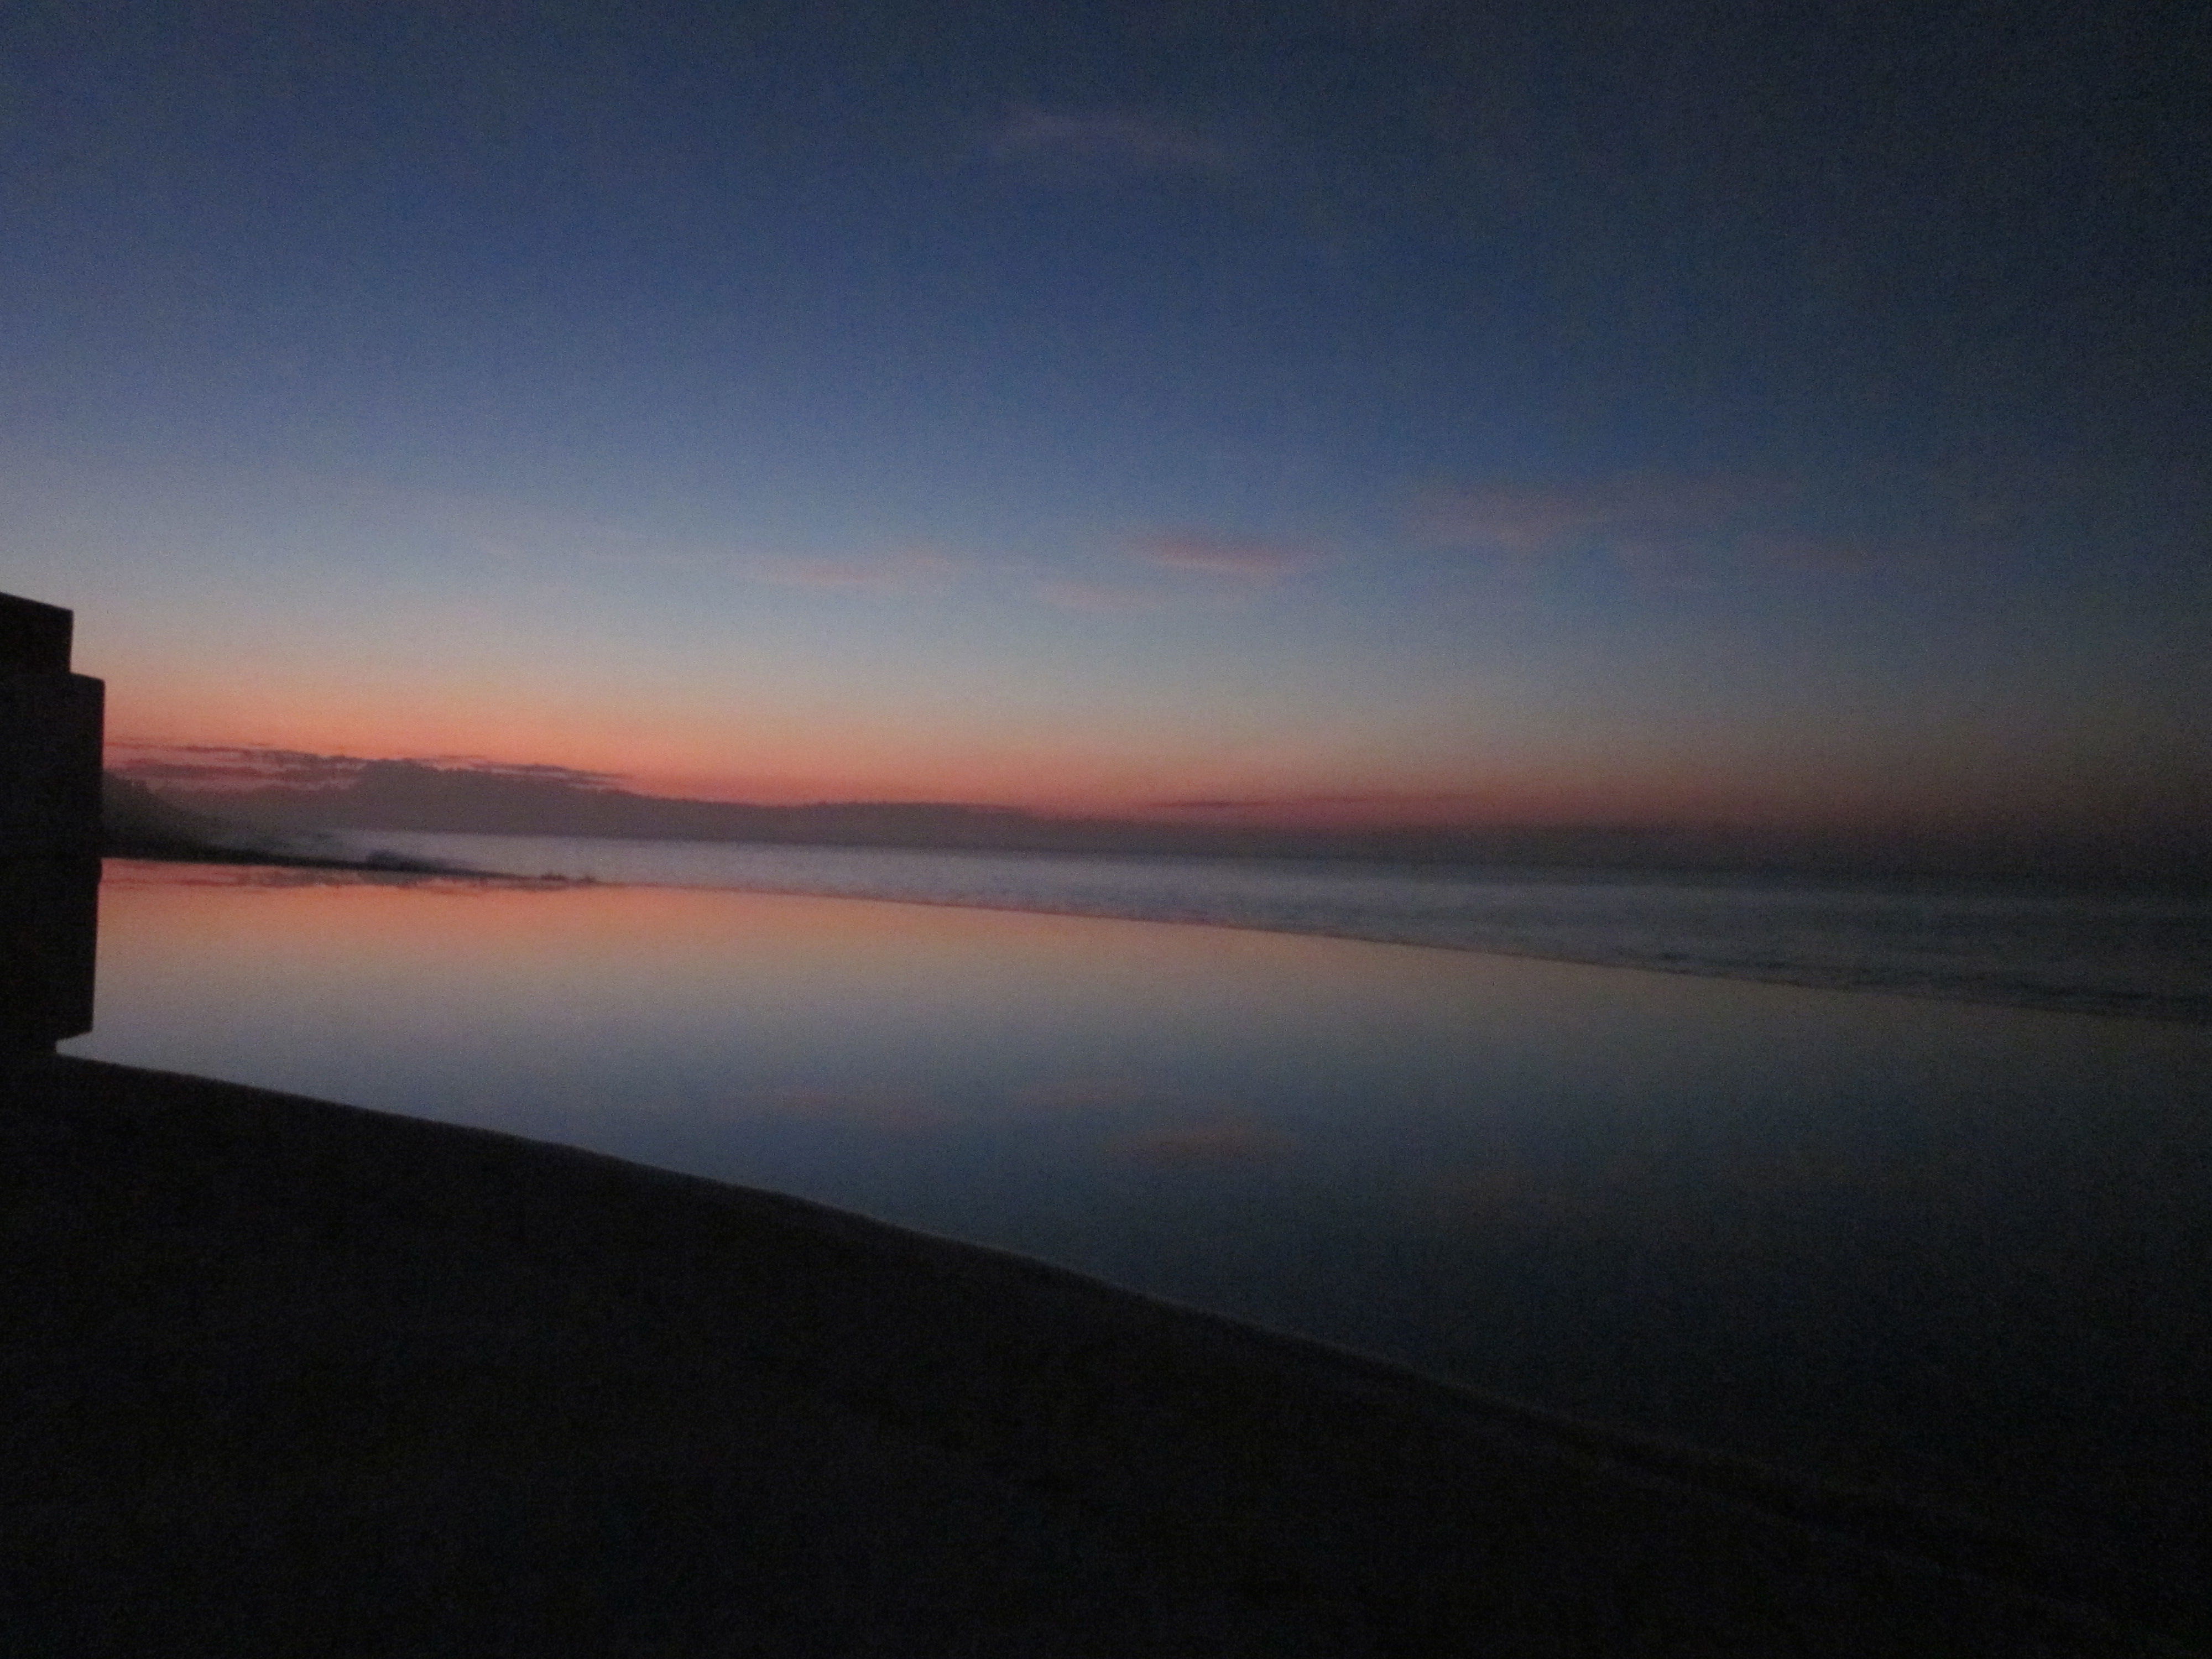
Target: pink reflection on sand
450,947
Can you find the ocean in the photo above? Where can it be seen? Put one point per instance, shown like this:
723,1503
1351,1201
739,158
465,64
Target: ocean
1943,1234
2084,950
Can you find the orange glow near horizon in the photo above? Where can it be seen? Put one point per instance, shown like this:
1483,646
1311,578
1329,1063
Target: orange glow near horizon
1067,782
1071,783
1286,778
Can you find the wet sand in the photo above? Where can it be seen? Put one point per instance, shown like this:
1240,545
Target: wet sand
290,1377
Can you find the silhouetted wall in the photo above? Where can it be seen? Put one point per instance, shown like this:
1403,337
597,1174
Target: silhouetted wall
50,753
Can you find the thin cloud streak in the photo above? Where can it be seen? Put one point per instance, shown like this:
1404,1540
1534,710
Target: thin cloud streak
1541,520
1221,555
901,573
210,765
1435,798
1683,531
1097,599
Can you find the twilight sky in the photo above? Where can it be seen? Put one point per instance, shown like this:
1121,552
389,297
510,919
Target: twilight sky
1631,414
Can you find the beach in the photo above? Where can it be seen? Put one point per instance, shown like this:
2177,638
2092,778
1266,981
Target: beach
293,1375
1360,830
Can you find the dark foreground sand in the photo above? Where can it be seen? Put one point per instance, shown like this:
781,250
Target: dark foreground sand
287,1377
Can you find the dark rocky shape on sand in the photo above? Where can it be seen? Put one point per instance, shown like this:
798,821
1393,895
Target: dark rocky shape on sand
284,1376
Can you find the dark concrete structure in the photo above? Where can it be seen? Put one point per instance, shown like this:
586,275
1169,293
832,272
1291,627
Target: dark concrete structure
50,756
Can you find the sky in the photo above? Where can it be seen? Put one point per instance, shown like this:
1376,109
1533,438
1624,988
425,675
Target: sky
1394,412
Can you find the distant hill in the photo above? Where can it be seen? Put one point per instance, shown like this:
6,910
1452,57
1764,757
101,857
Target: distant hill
136,822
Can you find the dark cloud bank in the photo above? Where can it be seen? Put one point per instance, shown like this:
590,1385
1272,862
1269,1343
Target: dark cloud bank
283,792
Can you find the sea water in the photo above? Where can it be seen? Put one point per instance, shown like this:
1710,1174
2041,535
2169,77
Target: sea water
1962,1252
2084,948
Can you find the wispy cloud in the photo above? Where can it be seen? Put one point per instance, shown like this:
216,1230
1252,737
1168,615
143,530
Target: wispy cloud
247,766
1125,140
518,537
1100,600
1375,799
1641,515
1224,556
1681,530
1227,569
228,765
904,572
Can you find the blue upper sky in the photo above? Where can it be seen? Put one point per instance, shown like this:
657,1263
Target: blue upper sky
1627,413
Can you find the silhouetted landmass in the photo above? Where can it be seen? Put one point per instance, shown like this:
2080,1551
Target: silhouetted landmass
414,795
138,824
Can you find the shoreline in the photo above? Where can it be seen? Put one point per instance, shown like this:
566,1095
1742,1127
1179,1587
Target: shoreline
274,1288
